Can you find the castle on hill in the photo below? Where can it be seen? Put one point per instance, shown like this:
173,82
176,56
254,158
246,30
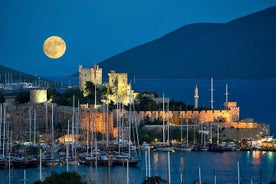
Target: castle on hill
19,116
227,118
118,86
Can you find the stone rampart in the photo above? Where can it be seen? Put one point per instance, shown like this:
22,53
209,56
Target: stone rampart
204,116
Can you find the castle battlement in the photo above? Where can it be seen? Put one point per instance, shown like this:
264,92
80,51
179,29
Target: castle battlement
203,116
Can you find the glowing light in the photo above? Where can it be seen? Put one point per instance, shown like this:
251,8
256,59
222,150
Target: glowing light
270,155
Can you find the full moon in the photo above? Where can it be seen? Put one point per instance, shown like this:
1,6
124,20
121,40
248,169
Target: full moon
54,47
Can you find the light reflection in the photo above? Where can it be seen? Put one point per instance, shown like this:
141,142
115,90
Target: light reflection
155,157
270,156
256,154
182,161
256,157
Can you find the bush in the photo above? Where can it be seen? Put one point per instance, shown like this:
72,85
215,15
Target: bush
62,178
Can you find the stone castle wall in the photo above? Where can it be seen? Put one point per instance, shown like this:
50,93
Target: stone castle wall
204,116
97,122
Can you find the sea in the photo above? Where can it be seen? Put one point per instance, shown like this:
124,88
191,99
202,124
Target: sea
178,167
256,99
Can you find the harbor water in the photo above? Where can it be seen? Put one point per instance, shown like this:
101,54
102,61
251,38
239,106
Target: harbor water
253,167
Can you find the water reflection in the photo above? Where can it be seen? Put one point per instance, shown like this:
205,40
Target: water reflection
270,156
256,157
254,166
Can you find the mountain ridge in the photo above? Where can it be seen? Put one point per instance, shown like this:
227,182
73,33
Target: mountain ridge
244,48
8,75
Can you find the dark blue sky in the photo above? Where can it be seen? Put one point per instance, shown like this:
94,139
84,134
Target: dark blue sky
95,30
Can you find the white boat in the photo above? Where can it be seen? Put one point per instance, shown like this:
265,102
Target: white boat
184,148
73,163
160,146
145,146
168,148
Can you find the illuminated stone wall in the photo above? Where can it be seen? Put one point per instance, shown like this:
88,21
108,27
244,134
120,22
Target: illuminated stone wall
244,130
97,122
120,89
228,120
204,116
38,95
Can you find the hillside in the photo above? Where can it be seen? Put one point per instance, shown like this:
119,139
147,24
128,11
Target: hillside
8,75
242,48
13,75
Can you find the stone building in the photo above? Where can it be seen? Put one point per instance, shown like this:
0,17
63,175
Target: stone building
93,75
38,95
120,89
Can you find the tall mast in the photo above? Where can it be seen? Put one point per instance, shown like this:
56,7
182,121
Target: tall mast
212,94
34,126
117,113
46,119
129,120
4,130
67,147
52,135
168,124
163,127
30,124
95,84
73,124
1,117
169,168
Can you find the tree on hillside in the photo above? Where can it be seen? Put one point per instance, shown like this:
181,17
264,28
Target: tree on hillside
23,97
154,180
145,103
51,92
90,87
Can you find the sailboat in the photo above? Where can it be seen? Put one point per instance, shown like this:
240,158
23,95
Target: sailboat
164,146
185,147
126,158
73,161
49,160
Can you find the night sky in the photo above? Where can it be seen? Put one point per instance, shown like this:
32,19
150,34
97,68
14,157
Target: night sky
96,30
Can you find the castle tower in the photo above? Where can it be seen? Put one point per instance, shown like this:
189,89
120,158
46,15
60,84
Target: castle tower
196,97
93,75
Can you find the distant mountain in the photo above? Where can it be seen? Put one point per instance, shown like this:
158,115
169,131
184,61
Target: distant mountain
243,48
8,75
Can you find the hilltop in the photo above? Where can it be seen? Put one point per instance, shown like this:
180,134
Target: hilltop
244,48
13,75
8,75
